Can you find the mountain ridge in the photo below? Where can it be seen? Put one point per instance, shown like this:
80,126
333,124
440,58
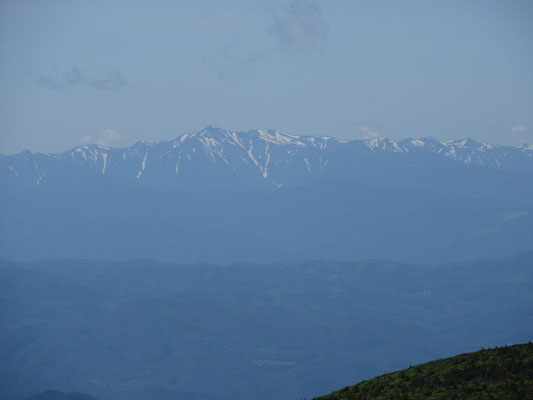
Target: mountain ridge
255,158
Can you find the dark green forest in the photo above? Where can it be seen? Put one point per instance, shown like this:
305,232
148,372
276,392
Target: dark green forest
499,373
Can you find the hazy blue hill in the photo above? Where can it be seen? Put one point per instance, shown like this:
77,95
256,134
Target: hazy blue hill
53,395
145,329
323,220
504,373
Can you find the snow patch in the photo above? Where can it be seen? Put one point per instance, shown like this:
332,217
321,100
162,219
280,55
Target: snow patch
143,165
308,166
104,156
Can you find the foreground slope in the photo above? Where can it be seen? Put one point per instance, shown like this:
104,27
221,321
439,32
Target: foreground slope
500,373
137,330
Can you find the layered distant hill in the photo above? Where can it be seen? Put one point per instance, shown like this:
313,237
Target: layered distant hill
223,196
143,329
54,395
500,374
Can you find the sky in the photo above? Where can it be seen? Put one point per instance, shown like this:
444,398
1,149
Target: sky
77,72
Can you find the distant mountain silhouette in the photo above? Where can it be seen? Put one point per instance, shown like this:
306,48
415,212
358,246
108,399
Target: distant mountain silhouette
53,395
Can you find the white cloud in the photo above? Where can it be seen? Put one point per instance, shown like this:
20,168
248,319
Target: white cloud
518,129
519,133
105,137
366,133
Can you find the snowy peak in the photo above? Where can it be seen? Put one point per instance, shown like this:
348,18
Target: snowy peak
383,144
526,147
216,136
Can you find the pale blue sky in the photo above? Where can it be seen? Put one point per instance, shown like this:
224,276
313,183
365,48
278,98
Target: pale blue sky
73,72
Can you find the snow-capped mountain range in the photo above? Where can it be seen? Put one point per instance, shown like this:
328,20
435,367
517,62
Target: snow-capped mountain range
223,196
218,158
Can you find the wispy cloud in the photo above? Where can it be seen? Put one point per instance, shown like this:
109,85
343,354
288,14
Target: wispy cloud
300,28
519,133
519,129
59,79
366,133
231,61
111,81
106,137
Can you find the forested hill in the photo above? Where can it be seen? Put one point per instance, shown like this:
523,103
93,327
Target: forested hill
499,373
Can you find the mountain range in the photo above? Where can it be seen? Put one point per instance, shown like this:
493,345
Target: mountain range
214,158
268,196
